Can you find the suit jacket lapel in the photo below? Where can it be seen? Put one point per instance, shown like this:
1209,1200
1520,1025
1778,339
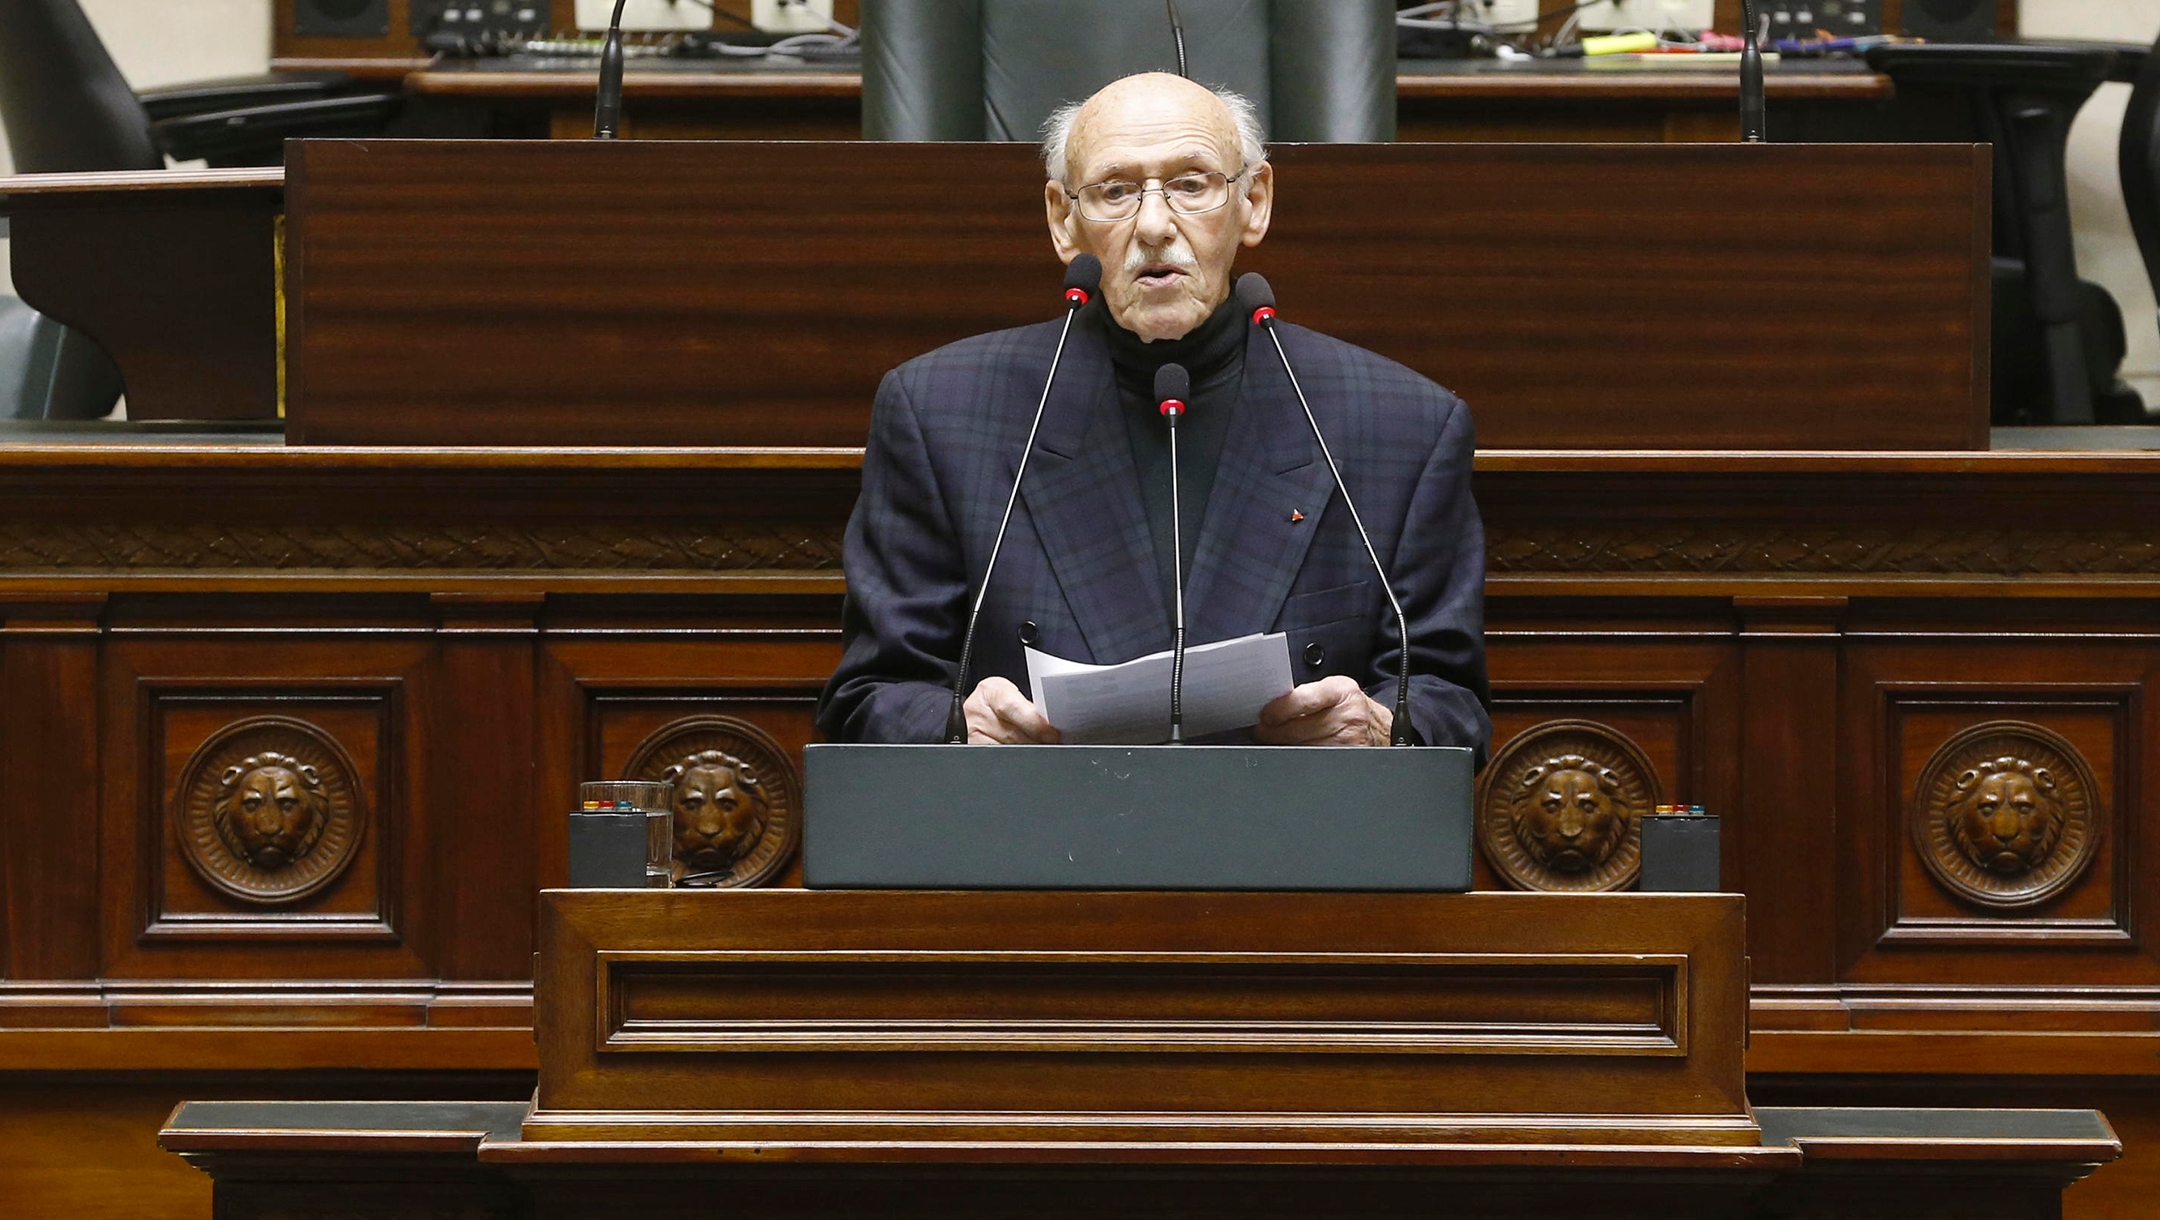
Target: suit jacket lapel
1083,497
1250,550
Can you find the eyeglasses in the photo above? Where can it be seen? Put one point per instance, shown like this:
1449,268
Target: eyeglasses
1186,194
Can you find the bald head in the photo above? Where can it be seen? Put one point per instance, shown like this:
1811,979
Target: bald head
1164,268
1230,116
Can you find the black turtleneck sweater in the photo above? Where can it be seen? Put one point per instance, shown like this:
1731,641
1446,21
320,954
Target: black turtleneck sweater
1214,354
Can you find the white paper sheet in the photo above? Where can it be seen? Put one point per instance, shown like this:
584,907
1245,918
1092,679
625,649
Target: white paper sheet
1226,685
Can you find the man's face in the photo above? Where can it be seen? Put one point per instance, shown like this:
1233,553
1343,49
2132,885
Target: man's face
1164,272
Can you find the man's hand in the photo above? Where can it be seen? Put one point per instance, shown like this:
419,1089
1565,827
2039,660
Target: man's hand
1331,712
998,714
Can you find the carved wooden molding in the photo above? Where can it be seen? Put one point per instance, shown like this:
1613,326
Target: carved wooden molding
736,796
1561,808
1777,549
582,547
269,810
2003,815
1654,549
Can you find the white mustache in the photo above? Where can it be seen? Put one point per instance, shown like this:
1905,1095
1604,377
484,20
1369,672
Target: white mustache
1167,256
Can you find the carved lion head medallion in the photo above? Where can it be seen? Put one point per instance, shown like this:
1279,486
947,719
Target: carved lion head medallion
2003,814
269,810
1561,808
736,797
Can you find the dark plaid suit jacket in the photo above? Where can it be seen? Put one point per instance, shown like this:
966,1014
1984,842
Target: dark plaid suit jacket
945,437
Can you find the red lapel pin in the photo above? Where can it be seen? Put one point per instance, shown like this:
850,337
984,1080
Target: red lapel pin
1296,516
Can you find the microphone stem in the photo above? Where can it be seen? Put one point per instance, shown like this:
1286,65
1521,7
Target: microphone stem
1400,733
1177,572
607,111
1751,77
956,720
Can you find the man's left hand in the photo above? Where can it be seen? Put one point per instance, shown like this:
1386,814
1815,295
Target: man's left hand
1331,712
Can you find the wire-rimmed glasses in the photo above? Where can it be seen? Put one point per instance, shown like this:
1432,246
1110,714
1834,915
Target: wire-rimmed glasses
1188,194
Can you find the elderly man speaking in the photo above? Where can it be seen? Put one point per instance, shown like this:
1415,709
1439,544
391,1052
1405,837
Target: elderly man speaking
1162,180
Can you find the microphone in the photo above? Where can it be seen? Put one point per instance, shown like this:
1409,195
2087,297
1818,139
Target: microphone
1751,81
607,110
1258,300
1173,385
1083,277
1177,35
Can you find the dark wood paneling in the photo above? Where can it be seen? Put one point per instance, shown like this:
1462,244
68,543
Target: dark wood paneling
360,727
481,763
1905,698
1689,600
48,786
171,680
1788,749
423,312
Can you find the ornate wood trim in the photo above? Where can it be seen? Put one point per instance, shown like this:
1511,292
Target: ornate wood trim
30,548
1773,549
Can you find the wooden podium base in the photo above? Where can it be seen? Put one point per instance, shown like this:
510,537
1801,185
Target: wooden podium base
1128,1026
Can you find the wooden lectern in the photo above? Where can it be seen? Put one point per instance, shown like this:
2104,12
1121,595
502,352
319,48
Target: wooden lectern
1202,1028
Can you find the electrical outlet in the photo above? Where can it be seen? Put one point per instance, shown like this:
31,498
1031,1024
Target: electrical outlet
642,16
792,16
1656,16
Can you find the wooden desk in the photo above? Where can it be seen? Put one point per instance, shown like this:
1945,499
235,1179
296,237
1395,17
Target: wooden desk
174,273
1439,100
429,302
429,299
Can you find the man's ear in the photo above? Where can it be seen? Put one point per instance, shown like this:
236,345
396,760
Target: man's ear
1060,214
1261,198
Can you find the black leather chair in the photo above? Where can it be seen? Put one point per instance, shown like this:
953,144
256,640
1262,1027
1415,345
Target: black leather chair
67,109
995,69
2139,154
2058,339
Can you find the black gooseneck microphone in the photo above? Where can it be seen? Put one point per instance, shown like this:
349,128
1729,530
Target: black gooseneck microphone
1173,385
1083,277
1258,300
607,110
1751,81
1177,35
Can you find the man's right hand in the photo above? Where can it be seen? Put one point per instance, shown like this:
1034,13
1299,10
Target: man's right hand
998,714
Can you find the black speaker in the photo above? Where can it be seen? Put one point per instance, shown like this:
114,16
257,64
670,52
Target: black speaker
1951,20
341,18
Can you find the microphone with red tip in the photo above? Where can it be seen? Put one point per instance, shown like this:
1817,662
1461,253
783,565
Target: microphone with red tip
1083,277
1173,385
1258,300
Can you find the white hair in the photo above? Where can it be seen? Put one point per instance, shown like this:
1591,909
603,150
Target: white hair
1252,137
